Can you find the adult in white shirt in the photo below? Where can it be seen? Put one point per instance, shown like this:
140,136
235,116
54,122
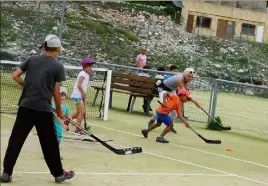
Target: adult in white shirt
141,59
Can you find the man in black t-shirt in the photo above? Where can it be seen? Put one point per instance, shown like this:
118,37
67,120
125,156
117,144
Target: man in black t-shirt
42,81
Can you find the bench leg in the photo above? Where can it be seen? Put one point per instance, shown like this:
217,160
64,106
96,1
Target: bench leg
148,105
95,97
129,102
132,104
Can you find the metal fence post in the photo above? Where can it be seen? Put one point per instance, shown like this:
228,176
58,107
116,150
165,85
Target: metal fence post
211,97
214,102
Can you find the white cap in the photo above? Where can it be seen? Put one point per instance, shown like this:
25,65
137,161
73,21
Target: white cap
63,89
53,41
188,70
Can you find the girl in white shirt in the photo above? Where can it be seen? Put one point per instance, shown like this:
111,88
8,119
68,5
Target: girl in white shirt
79,91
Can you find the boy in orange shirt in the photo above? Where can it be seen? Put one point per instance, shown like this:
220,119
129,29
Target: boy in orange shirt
173,102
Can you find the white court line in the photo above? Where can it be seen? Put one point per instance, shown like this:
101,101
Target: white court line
191,148
131,174
188,163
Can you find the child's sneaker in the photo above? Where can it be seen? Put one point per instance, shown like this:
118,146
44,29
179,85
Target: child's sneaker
64,176
5,178
172,130
144,133
79,132
161,139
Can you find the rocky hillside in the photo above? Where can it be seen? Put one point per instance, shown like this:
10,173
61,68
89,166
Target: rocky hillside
114,32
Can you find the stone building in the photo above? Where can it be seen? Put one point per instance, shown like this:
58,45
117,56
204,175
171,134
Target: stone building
227,19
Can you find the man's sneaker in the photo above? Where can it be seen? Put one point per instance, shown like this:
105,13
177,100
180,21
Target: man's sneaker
144,133
64,176
161,139
172,130
5,178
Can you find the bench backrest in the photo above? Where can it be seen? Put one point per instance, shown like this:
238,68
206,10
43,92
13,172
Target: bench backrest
133,83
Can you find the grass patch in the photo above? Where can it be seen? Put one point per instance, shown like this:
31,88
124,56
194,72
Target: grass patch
12,36
127,34
74,25
19,12
66,35
243,60
100,28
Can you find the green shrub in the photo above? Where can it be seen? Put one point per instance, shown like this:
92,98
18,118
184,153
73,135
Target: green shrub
213,125
127,34
94,26
75,25
66,35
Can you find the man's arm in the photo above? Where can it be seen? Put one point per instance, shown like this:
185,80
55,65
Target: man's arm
16,76
57,98
61,122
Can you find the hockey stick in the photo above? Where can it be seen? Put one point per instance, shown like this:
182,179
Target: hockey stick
222,127
133,150
81,138
85,121
199,135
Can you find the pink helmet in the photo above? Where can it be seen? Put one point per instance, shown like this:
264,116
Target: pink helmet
184,92
87,61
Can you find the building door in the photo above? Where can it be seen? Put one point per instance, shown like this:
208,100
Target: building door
190,23
225,28
222,27
259,35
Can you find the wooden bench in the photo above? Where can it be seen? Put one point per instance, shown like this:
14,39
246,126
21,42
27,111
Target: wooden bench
134,85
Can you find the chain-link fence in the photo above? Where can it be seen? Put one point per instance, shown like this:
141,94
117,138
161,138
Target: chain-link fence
10,92
201,90
242,106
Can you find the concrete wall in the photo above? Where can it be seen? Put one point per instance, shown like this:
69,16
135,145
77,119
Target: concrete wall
215,12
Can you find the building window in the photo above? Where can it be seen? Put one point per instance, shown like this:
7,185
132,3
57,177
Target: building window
204,22
248,29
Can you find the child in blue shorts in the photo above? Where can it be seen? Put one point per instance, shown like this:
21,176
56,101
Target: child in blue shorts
173,103
79,92
59,123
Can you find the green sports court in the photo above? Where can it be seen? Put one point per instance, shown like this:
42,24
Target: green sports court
186,160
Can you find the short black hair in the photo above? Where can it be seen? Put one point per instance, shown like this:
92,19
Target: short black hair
161,69
173,67
146,67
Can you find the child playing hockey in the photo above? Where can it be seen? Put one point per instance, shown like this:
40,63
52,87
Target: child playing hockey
173,103
79,91
169,85
59,123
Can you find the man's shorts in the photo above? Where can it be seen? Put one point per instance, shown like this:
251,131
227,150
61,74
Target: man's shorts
163,118
59,132
77,100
